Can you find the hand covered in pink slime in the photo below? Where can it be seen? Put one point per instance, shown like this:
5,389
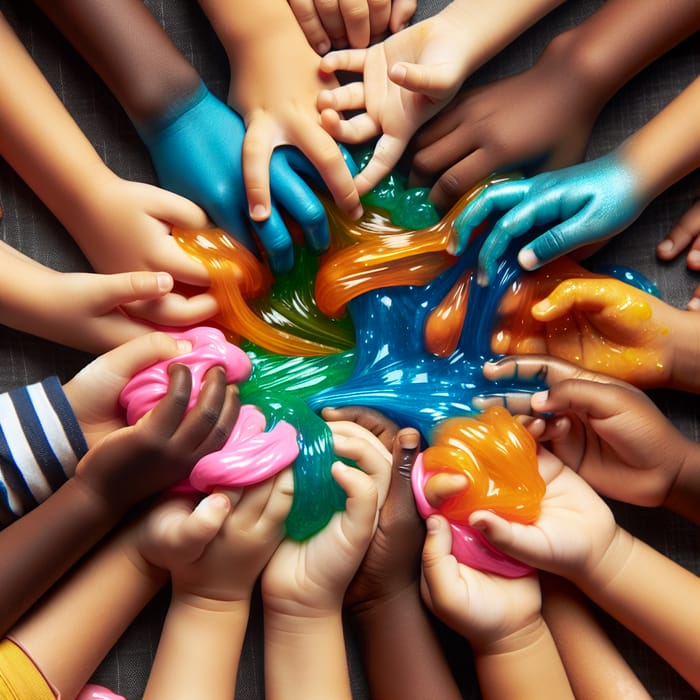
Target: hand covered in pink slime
469,546
250,454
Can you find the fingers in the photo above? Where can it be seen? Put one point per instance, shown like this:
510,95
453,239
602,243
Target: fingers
209,422
356,16
443,486
387,153
369,418
109,291
175,310
177,211
694,301
401,13
679,238
186,531
352,60
440,570
582,294
539,369
405,448
460,178
311,25
597,400
354,442
325,155
435,82
256,154
361,507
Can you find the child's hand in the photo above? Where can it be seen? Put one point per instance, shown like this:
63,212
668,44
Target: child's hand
310,578
392,562
279,110
161,448
407,78
571,537
585,203
685,233
217,549
200,155
77,309
540,118
128,228
615,437
487,609
93,393
605,325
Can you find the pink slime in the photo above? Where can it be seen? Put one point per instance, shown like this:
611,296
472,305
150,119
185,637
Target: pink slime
469,546
250,454
98,692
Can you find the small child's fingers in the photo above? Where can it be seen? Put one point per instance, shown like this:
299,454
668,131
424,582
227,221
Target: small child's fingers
175,310
352,60
109,291
186,531
387,153
401,13
440,570
256,154
694,301
432,81
375,421
359,519
443,486
346,97
680,236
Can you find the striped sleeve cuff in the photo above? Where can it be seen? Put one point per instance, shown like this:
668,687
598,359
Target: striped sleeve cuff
41,443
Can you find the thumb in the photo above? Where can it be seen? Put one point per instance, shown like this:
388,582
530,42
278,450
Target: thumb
110,291
438,543
435,82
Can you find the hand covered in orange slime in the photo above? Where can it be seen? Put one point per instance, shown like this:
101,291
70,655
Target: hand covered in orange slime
599,323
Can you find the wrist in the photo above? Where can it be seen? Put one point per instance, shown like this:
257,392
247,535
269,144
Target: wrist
685,346
367,613
598,575
530,633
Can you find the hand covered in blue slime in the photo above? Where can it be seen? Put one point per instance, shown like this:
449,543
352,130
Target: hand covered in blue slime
196,149
582,204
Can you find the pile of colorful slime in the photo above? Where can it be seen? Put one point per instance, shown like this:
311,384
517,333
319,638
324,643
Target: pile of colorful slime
386,318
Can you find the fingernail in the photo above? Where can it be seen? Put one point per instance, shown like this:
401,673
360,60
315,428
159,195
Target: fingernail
527,259
165,282
694,257
398,73
693,304
539,398
323,47
259,212
665,246
184,346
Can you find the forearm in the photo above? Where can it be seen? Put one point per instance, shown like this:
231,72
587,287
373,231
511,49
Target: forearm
593,665
305,658
526,665
668,147
237,23
401,653
491,31
41,546
40,140
131,52
600,55
199,649
651,595
87,613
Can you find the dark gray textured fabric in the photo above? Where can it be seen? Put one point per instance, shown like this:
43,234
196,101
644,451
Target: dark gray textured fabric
28,226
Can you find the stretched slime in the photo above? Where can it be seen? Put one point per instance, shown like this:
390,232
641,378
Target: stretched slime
386,318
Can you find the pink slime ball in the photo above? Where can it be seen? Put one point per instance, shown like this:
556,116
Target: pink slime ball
250,454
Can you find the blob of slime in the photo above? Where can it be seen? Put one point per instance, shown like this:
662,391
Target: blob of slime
499,458
250,454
